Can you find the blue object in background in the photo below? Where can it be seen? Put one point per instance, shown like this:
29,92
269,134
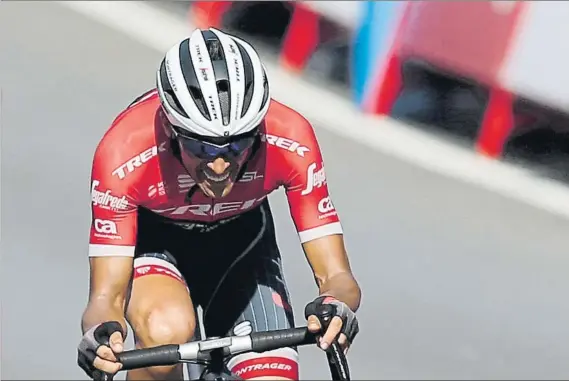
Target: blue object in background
372,43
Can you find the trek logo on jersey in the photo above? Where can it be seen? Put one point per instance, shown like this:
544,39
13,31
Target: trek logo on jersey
212,210
326,207
284,143
106,200
138,160
314,179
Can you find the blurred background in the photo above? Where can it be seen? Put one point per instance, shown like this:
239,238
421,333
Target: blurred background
460,281
486,73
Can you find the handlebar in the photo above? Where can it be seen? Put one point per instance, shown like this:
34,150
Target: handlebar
172,354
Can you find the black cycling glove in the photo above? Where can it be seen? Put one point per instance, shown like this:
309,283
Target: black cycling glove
350,326
91,341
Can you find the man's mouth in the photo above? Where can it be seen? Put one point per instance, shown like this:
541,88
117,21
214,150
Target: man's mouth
215,177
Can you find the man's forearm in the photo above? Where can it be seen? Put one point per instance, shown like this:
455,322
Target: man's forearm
100,311
343,287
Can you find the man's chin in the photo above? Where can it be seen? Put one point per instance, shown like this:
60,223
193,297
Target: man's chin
216,190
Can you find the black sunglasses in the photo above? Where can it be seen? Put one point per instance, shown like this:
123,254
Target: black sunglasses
209,148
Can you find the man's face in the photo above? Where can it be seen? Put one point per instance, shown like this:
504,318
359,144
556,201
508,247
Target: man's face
215,177
213,164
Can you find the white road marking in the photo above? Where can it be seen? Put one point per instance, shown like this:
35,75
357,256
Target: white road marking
159,30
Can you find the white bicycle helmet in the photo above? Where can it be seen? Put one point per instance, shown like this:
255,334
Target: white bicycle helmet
213,84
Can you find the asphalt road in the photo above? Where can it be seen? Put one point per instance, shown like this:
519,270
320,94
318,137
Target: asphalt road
458,282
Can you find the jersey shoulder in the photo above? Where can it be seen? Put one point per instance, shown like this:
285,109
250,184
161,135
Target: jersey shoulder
131,133
283,120
287,131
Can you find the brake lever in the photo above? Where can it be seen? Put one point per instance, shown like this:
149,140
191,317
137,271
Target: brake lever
99,375
339,369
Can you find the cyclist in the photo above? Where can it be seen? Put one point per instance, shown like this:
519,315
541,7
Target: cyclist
181,218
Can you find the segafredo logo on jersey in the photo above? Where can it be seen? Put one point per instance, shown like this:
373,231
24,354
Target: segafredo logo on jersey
314,179
106,200
284,143
211,210
138,160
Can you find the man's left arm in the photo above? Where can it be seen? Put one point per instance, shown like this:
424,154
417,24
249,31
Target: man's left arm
332,272
337,285
321,235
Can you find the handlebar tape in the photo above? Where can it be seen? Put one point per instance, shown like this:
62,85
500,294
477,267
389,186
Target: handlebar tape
266,341
142,358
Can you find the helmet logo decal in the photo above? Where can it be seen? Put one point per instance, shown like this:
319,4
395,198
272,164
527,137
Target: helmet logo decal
212,104
198,53
237,72
203,70
170,75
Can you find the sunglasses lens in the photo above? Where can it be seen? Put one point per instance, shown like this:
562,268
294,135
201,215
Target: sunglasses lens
205,150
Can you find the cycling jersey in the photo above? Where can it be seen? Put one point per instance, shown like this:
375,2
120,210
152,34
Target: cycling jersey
134,167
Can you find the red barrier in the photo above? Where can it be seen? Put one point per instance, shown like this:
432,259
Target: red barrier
467,38
497,124
299,42
301,38
205,14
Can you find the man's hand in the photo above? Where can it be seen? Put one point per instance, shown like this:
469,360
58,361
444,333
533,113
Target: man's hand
96,351
344,324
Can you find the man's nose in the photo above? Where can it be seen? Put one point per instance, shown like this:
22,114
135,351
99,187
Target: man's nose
218,166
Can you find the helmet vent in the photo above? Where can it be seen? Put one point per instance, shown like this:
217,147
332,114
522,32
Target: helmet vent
214,47
221,73
189,73
169,92
224,102
248,76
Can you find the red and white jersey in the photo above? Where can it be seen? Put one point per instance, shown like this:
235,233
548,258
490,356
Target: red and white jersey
133,166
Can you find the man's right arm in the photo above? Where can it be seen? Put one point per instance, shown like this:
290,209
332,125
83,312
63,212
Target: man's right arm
112,238
109,281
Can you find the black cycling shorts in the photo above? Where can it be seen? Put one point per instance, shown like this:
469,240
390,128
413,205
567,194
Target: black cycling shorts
233,269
